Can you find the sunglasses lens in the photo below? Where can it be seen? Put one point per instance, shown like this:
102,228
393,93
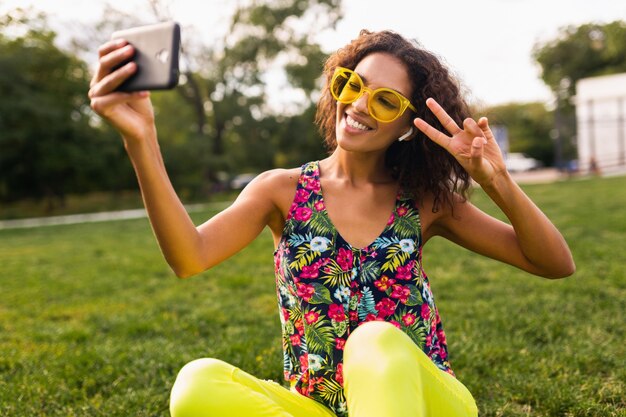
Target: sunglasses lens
346,87
385,105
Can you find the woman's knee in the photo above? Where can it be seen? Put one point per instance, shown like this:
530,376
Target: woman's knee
378,335
206,368
200,384
377,342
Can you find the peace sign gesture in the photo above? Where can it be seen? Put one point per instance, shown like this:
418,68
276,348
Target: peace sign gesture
474,146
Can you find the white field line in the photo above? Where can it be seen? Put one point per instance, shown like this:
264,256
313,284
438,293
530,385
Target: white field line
95,217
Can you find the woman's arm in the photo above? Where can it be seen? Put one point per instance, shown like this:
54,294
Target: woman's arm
531,242
187,249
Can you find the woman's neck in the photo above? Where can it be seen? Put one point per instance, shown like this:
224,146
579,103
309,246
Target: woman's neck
356,168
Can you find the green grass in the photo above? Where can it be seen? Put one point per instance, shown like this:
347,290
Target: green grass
93,323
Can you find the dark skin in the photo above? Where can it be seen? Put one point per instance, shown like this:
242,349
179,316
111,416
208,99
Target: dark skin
358,190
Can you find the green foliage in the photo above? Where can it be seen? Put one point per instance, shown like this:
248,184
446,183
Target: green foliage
370,270
367,304
395,257
582,51
320,337
332,391
266,30
416,330
49,146
185,153
228,85
334,276
529,126
578,52
320,223
321,295
304,256
416,296
219,120
93,323
404,226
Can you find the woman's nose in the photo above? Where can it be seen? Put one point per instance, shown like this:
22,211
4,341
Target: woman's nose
360,104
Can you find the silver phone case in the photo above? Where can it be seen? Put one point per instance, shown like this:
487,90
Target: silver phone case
157,49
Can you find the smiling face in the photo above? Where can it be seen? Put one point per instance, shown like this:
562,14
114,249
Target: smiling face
356,130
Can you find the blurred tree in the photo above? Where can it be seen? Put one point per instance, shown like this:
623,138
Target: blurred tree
581,51
277,141
529,126
222,118
299,141
185,152
227,83
578,52
48,146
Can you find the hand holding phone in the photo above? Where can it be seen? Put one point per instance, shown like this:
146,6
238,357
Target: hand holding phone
157,49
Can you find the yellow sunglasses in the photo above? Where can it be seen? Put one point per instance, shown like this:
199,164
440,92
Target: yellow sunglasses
384,104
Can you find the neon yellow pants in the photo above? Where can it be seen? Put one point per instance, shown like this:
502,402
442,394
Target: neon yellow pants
385,375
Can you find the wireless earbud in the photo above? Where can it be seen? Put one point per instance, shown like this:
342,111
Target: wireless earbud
406,135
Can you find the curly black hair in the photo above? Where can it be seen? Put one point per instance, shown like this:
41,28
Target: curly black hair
420,165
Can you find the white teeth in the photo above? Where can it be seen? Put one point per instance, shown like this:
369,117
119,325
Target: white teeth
353,123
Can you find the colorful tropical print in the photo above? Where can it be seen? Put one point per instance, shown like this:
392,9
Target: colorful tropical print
326,288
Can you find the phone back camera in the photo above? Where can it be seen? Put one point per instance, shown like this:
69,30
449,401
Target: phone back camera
162,56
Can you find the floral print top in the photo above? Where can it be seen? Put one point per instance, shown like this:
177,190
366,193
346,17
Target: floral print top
326,288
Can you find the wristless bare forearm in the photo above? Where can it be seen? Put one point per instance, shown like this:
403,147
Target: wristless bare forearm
540,241
176,234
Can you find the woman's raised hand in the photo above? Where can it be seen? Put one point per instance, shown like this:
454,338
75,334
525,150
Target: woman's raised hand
130,113
474,145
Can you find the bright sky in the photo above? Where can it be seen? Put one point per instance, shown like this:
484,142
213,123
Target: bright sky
487,43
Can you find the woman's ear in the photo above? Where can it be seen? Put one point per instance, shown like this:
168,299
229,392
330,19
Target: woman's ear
406,135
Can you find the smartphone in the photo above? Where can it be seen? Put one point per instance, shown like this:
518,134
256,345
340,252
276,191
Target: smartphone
157,48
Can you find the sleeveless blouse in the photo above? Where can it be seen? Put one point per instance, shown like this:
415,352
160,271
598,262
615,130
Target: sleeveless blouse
326,288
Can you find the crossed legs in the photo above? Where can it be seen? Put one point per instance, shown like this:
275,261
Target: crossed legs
385,375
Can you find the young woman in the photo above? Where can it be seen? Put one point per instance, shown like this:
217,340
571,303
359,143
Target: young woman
361,333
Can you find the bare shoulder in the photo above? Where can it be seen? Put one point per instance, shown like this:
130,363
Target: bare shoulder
276,185
436,216
279,177
275,182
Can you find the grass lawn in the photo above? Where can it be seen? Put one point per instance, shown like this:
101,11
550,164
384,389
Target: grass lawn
93,323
